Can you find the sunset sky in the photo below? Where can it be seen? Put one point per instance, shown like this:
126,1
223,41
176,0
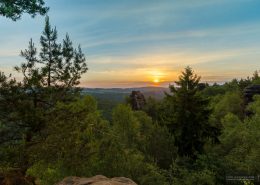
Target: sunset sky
131,43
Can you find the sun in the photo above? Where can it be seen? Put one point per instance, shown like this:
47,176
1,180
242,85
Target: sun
156,80
156,77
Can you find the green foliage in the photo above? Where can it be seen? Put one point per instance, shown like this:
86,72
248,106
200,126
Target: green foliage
47,174
51,132
190,115
233,86
231,102
132,132
26,107
79,142
160,146
256,78
152,108
58,65
186,177
126,125
14,9
74,133
240,146
153,140
255,106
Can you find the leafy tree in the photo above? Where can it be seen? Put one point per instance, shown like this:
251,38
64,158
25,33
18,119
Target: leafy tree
152,108
73,136
125,125
190,116
232,86
240,146
231,102
181,175
129,147
136,130
15,8
160,146
80,142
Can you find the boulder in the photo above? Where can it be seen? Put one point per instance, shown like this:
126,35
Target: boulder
96,180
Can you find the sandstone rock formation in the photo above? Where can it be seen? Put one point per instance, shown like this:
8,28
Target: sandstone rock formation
137,100
250,91
202,86
96,180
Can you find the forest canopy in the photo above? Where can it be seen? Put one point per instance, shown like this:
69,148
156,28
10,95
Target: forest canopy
50,129
198,133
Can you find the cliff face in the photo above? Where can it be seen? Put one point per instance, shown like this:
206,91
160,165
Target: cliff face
96,180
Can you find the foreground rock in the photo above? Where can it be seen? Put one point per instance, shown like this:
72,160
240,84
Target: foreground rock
96,180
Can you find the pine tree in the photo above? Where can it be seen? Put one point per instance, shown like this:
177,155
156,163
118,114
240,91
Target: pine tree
54,74
190,115
50,53
62,64
48,78
15,8
57,68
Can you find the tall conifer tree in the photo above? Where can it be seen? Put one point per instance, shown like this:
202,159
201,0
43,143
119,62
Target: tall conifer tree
48,78
190,115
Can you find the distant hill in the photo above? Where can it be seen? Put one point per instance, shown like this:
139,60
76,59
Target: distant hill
109,98
155,92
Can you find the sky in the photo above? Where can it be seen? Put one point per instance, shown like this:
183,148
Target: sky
134,43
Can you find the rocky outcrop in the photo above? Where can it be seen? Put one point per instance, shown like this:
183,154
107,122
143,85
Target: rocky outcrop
249,93
137,100
97,180
202,86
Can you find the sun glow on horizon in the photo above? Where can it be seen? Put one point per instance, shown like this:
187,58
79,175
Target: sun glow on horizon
156,80
157,76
